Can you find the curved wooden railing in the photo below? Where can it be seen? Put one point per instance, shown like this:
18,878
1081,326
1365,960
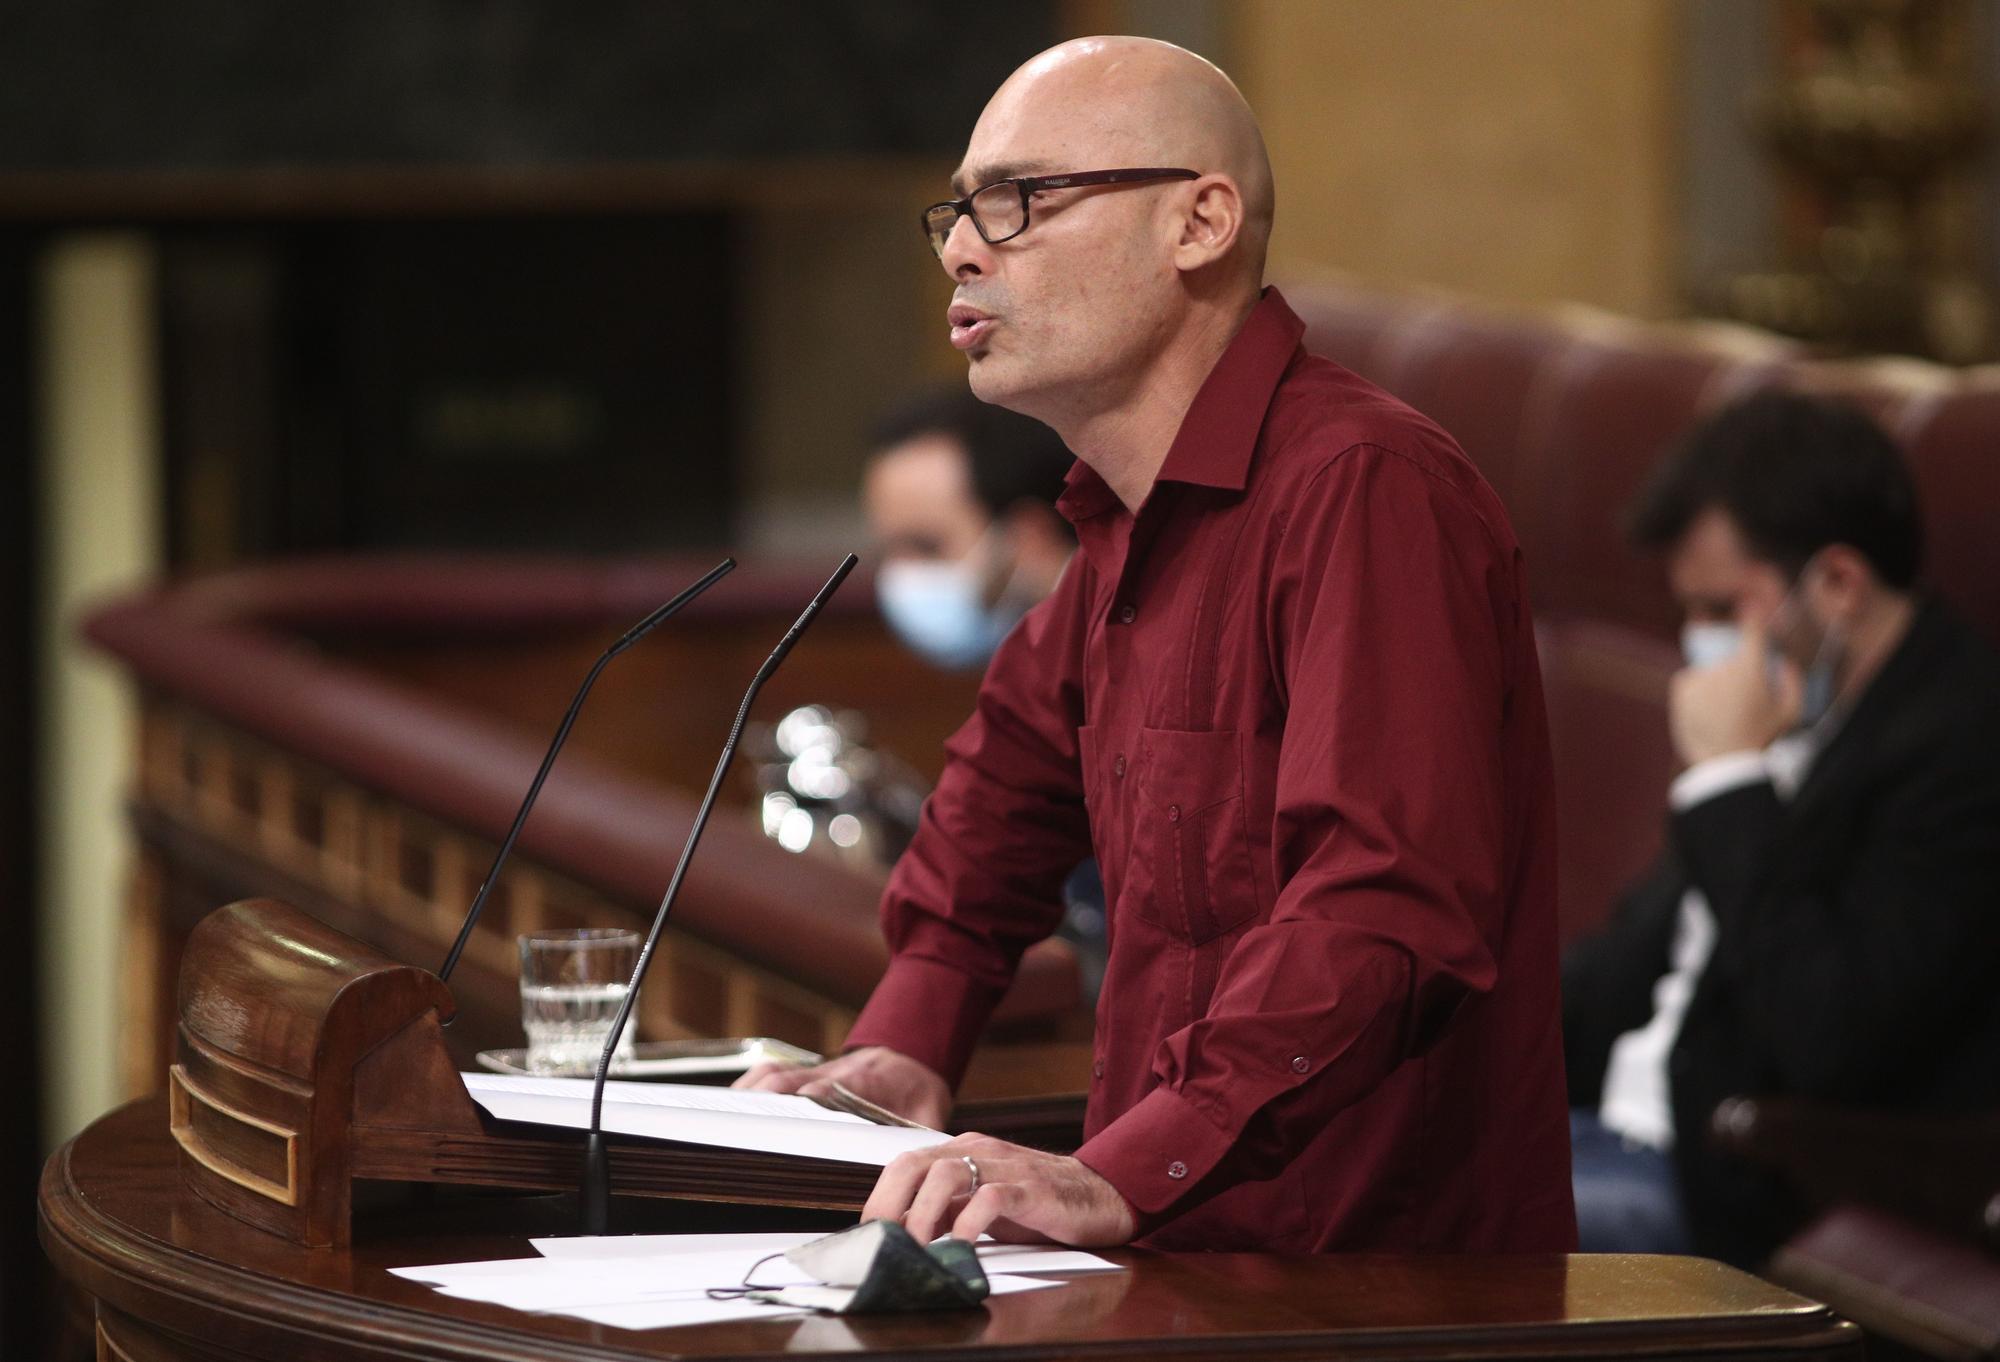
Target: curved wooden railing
348,735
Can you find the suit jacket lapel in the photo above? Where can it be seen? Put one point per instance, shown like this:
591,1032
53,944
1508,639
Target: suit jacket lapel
1836,767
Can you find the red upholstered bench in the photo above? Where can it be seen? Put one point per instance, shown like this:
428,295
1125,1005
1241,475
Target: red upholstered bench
1565,411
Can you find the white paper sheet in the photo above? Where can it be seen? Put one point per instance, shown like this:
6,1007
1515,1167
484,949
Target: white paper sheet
769,1122
555,1283
995,1257
1039,1258
651,1245
655,1292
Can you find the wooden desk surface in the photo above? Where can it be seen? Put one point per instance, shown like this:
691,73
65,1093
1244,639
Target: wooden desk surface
174,1278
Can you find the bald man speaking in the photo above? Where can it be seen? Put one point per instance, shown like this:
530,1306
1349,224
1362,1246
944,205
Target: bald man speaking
1286,693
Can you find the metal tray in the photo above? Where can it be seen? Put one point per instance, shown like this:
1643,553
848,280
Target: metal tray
676,1061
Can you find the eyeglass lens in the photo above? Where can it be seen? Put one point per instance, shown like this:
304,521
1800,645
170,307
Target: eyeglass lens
938,222
997,212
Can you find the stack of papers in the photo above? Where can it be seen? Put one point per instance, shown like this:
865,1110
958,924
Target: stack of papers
766,1122
658,1281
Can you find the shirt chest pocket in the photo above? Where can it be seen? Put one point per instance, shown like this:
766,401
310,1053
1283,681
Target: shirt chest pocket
1191,869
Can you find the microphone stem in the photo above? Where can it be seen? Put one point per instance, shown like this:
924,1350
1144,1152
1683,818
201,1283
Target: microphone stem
626,640
596,1185
520,818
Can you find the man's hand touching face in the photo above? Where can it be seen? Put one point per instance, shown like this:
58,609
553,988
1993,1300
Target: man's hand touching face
1741,704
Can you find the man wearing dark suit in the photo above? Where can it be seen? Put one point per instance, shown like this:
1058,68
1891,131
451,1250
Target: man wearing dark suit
1824,921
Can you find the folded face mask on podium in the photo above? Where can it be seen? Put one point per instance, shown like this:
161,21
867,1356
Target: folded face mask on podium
874,1268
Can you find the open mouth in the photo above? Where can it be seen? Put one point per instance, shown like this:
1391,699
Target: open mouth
969,325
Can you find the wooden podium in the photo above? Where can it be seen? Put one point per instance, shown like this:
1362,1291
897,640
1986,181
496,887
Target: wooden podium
222,1224
166,1276
306,1060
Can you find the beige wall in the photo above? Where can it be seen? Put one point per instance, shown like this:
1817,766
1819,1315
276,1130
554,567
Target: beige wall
1524,150
100,533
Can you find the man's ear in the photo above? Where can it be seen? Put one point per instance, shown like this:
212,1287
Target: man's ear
1210,224
1846,582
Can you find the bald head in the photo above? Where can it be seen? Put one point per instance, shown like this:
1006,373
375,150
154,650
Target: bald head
1099,307
1105,102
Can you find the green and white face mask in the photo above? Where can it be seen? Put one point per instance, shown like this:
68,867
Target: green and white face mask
874,1268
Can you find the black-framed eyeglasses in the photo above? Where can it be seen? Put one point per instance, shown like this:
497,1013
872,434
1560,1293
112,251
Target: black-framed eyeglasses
999,211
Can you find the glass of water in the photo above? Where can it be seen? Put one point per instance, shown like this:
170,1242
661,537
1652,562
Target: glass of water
572,983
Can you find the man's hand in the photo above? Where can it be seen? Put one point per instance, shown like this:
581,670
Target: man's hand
1024,1195
1738,705
890,1080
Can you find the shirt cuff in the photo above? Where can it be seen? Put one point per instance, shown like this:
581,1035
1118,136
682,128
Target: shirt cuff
1705,780
928,1011
1156,1153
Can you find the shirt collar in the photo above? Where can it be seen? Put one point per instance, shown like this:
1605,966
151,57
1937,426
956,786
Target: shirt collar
1219,433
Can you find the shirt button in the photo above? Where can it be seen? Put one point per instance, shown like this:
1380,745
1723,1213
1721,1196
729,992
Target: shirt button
1177,1170
1300,1064
1173,813
1118,766
1097,1068
1127,613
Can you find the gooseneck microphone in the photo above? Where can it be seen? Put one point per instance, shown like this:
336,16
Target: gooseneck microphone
596,1185
626,640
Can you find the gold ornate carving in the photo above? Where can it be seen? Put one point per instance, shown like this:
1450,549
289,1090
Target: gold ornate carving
1873,122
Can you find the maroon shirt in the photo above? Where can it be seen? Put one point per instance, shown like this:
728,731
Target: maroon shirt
1294,707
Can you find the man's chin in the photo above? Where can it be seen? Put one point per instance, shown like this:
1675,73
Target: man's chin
989,377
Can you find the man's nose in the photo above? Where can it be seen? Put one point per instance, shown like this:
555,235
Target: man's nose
965,251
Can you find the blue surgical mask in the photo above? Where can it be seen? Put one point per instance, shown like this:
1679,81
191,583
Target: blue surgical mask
940,612
1820,681
1710,643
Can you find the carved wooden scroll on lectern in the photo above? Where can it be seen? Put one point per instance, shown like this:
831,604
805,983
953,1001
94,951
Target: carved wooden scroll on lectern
289,1032
307,1059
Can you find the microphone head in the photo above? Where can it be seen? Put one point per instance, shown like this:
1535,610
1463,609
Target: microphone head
839,576
812,607
669,608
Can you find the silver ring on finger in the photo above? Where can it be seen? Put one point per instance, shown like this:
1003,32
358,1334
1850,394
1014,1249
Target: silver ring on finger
973,1169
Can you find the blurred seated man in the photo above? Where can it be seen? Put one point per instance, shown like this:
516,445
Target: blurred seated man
960,497
1823,921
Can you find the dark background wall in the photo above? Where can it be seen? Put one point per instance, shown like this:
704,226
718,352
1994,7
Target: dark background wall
363,372
106,84
22,1271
